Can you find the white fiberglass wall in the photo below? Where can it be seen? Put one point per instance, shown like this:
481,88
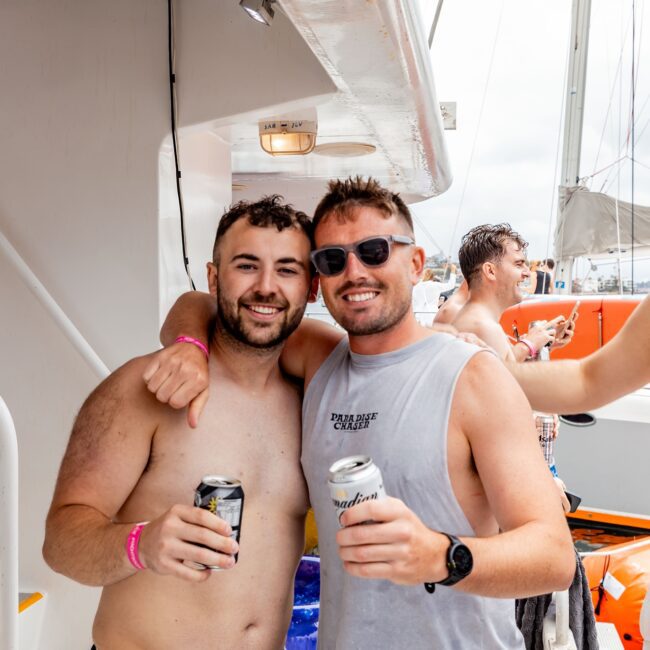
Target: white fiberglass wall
84,111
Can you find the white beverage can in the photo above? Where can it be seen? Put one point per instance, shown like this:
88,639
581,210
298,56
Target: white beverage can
353,480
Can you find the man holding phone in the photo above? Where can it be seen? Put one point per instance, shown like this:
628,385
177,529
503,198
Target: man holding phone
493,262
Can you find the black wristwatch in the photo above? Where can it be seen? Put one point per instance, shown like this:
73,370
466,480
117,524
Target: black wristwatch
459,563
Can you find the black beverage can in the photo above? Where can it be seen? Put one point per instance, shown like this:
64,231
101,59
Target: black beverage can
224,497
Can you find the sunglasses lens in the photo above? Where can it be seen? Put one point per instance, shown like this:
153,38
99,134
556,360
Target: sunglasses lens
330,261
374,252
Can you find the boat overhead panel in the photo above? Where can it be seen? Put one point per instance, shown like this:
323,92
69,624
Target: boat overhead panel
377,56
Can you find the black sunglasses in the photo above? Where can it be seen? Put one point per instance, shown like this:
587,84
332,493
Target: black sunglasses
374,251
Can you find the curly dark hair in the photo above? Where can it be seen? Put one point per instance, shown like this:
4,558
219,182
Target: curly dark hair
344,196
268,212
485,244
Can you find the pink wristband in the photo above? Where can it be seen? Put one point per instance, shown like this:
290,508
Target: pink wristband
199,344
132,545
531,348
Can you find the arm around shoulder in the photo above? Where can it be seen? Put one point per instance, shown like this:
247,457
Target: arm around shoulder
307,348
193,315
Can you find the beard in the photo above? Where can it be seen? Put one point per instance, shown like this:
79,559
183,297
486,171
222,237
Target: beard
260,336
361,325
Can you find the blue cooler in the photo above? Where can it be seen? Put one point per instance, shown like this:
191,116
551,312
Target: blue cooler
303,630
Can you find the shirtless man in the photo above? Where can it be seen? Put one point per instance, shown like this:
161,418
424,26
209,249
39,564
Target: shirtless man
131,458
427,403
450,308
493,262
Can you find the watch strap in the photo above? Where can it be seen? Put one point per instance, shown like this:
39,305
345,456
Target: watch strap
453,576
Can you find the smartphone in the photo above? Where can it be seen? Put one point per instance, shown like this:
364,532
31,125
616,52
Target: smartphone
562,328
574,501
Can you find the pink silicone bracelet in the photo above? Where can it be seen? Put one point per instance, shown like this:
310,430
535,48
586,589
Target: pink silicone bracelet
199,344
132,545
529,345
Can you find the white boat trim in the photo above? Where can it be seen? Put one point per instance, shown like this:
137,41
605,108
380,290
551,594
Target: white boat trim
9,528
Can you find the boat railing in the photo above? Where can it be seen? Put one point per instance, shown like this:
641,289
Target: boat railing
9,528
556,634
58,315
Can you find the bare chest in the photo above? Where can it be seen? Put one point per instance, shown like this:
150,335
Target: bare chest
255,439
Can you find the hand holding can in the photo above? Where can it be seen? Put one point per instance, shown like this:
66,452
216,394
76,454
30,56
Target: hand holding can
223,497
184,538
353,480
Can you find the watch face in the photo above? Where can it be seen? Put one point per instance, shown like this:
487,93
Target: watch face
463,559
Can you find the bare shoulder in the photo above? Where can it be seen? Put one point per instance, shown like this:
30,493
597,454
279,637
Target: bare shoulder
486,385
307,348
124,387
118,413
486,329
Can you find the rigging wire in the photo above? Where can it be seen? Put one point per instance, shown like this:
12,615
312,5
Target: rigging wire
619,65
478,127
554,195
426,231
608,182
173,106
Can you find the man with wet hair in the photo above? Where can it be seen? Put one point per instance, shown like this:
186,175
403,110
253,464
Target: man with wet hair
493,261
471,511
123,517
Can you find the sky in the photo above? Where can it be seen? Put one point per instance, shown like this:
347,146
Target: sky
510,56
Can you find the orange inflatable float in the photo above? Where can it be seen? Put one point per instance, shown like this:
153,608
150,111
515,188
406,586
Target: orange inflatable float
618,573
618,579
599,319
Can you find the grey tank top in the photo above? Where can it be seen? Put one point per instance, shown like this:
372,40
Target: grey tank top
395,408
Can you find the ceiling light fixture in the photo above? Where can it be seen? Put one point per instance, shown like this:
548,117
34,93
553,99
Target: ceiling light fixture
288,137
259,10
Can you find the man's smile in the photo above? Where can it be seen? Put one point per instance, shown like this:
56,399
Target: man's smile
263,312
361,296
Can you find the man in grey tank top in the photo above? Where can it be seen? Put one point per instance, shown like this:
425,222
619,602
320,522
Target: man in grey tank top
472,511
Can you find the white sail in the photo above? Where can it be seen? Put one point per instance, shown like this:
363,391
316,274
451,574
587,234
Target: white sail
587,225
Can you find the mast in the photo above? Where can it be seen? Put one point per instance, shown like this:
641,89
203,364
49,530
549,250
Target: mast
573,119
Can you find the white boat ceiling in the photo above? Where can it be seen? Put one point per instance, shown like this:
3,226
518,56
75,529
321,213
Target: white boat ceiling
363,65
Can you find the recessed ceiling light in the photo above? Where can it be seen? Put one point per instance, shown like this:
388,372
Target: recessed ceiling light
345,149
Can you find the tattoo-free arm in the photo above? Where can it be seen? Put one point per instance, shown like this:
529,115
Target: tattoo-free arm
106,455
534,553
192,315
178,374
308,347
571,386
